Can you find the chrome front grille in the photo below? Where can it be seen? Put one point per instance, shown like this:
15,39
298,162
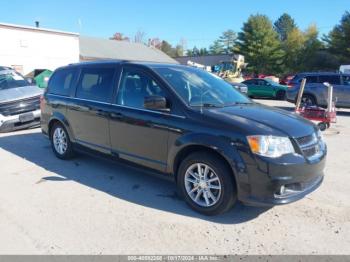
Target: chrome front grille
311,146
305,140
20,106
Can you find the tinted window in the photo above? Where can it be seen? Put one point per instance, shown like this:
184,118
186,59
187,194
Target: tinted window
96,84
61,82
346,80
262,83
250,82
135,85
310,79
332,79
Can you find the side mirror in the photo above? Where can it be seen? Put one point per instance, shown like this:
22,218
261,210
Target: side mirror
155,103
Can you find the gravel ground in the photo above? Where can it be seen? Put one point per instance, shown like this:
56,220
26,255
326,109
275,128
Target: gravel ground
94,206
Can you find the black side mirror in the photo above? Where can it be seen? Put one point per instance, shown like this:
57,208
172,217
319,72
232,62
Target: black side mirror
155,103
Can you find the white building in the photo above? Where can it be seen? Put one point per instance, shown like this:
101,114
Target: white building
27,48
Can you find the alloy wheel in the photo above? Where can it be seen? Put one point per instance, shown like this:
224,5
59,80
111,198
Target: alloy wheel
202,185
60,141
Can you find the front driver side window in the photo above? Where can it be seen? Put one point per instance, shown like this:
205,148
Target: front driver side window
135,85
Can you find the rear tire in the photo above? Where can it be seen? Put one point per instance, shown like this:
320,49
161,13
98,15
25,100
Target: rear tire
308,100
60,142
210,191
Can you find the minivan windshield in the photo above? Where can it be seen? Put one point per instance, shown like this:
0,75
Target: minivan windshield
11,79
200,88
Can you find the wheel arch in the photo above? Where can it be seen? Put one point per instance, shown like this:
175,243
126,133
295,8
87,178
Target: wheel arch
309,94
60,118
224,151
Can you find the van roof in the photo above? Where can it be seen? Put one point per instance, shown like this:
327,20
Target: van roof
116,62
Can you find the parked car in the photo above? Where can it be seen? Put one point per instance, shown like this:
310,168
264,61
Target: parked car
19,101
315,93
240,87
265,88
217,144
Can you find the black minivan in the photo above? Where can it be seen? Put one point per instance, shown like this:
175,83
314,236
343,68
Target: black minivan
217,144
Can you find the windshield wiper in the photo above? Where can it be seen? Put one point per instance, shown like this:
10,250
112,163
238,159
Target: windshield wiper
239,103
208,105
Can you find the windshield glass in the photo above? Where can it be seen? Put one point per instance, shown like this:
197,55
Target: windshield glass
200,88
11,79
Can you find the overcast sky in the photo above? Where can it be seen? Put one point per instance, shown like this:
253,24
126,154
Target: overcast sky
200,22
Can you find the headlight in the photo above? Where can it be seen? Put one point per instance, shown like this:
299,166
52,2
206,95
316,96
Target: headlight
270,146
319,135
244,89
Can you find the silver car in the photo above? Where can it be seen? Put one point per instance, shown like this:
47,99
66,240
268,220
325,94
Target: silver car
316,93
19,101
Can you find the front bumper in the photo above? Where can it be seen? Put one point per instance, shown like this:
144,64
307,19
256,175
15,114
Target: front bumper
271,183
12,123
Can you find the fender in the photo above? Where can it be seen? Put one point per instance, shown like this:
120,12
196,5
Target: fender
222,145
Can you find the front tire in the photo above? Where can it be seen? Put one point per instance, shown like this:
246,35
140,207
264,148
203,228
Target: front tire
206,183
60,142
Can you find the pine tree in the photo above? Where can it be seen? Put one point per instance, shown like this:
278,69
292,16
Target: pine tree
338,40
260,45
217,48
284,25
228,41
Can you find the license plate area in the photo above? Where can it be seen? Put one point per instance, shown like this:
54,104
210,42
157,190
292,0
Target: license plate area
27,117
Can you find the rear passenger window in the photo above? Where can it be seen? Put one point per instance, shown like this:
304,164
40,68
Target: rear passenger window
311,79
96,84
332,79
61,82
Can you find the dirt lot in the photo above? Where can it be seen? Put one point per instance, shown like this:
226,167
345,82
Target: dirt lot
94,206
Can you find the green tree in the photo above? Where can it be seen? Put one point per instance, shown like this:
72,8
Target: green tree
189,52
179,51
195,51
294,46
304,51
260,45
203,51
284,25
228,41
168,49
312,47
338,40
217,48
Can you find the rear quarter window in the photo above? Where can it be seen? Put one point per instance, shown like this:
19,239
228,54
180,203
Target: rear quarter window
62,81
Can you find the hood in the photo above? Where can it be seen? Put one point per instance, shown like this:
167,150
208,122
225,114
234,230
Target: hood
257,119
19,93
